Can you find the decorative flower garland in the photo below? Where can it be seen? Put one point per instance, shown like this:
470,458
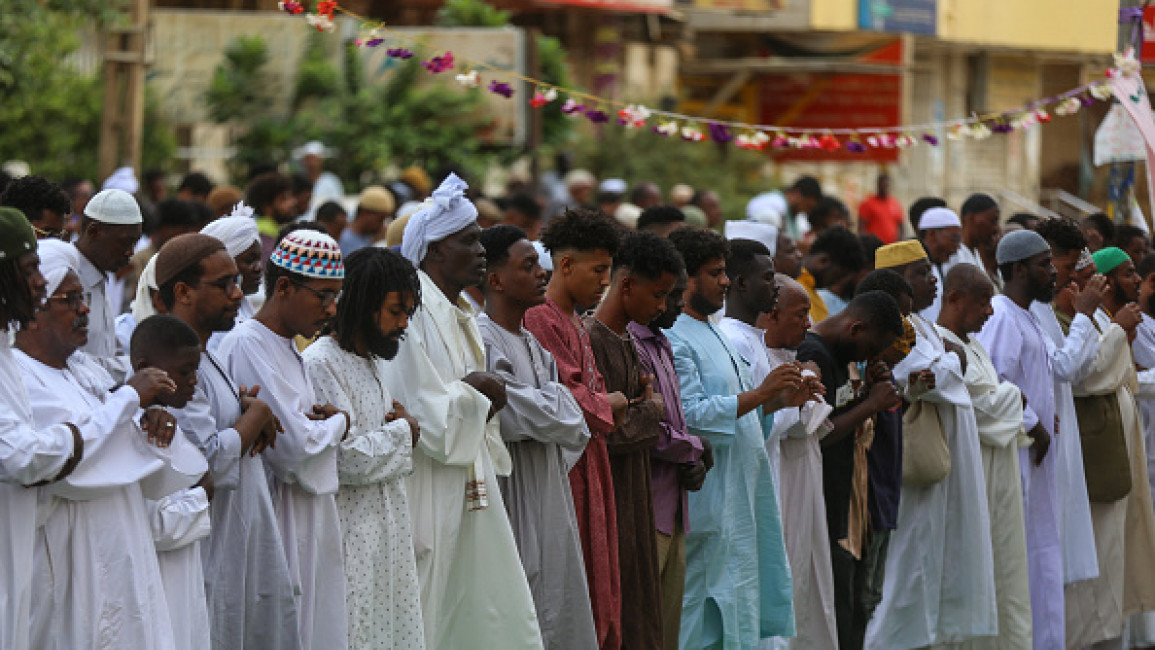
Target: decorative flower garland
754,137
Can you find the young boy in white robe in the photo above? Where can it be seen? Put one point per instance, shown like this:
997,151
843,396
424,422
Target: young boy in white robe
95,559
374,461
28,456
180,519
302,285
251,598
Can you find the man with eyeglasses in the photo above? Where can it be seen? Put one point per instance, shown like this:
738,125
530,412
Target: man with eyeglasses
108,234
28,455
303,279
251,596
43,202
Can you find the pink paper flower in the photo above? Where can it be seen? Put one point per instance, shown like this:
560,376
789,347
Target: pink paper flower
439,64
291,7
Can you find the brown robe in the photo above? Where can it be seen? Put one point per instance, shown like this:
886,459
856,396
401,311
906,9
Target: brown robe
629,447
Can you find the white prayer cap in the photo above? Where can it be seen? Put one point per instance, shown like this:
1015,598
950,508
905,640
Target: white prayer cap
57,258
763,233
122,179
114,206
444,213
769,208
142,305
613,186
681,193
580,177
939,218
627,214
1019,245
238,231
543,256
313,148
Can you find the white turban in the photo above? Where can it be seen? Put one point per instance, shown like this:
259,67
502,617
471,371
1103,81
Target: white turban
142,306
238,231
57,258
444,213
122,179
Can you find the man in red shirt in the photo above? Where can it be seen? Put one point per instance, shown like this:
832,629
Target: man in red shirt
881,215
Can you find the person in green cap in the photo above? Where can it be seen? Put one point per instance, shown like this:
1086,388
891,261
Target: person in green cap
28,456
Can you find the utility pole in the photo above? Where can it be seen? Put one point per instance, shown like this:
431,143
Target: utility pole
122,120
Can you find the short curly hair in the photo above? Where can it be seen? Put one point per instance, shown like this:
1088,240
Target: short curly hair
648,255
741,260
34,194
842,246
582,229
886,280
1062,234
497,240
698,246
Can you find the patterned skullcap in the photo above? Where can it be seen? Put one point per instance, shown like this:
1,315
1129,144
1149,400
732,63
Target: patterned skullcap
311,254
1085,260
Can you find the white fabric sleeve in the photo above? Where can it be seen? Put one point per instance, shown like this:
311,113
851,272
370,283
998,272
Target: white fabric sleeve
179,519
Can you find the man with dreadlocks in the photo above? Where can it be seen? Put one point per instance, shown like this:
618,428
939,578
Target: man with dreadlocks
380,293
28,455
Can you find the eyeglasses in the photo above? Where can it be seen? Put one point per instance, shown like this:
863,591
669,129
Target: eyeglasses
227,284
72,300
327,297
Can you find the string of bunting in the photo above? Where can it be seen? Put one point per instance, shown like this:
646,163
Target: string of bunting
755,137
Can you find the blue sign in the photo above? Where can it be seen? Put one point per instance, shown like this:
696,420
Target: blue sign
913,16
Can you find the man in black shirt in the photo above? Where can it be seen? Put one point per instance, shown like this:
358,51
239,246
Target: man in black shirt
866,328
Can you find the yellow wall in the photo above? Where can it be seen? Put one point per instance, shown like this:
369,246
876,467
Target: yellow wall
1086,26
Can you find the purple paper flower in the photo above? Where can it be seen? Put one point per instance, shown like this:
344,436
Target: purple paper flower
399,53
501,88
570,107
597,117
1002,127
1086,100
719,132
930,139
439,63
373,42
854,146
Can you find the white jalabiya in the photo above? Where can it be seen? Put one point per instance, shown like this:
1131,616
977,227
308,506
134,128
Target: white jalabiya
940,570
251,598
96,566
304,464
799,431
384,608
474,592
28,455
998,408
1071,354
1142,626
1018,348
750,342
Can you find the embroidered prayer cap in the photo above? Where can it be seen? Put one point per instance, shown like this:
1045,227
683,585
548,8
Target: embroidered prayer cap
1019,245
444,213
123,179
181,252
759,232
16,234
938,218
1085,260
1107,259
115,207
899,254
768,207
377,199
311,254
57,258
237,232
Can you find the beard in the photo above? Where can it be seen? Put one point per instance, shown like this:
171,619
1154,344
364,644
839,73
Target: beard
1043,292
384,345
702,305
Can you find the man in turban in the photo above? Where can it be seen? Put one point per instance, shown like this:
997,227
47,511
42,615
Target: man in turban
474,591
28,455
242,239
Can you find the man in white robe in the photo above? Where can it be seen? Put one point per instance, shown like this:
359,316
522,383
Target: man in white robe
1018,349
95,563
251,597
302,285
28,455
1072,350
998,408
376,458
474,591
799,431
940,574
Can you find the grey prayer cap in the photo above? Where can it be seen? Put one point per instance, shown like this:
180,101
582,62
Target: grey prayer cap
1019,245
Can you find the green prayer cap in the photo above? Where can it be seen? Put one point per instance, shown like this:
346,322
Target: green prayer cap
1106,259
16,236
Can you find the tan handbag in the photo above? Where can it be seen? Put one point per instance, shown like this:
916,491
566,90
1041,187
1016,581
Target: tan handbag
925,456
